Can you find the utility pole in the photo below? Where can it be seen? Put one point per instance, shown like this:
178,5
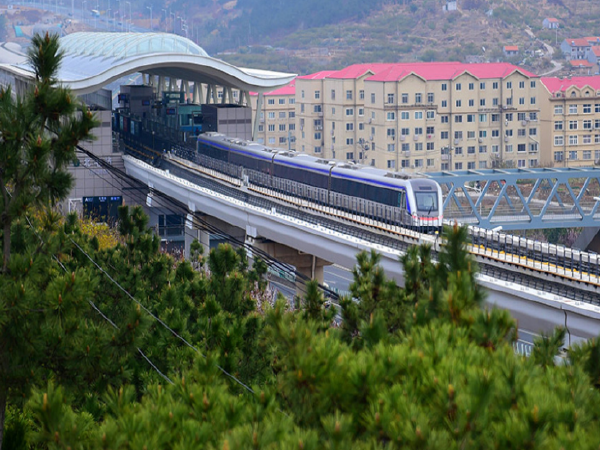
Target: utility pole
150,8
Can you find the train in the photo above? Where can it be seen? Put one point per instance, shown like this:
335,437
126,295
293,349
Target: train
388,197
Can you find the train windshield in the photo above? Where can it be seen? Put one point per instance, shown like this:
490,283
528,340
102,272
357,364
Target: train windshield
426,201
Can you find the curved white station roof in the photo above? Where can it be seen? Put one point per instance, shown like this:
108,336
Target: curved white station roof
93,60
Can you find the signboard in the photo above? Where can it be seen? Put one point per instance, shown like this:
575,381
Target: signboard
102,208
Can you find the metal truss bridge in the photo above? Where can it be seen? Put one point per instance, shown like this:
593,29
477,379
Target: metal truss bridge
522,199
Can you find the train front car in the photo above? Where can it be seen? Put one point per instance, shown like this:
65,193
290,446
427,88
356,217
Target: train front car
426,205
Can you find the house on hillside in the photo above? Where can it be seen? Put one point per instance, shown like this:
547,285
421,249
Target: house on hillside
581,64
594,54
451,5
550,23
575,48
593,40
511,50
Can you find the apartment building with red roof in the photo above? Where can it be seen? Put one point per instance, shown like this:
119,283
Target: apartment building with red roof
575,48
421,116
570,114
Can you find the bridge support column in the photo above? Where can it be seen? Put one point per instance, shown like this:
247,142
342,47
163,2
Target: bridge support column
308,265
259,105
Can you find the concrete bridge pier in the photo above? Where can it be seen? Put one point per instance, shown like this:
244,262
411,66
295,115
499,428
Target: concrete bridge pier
308,265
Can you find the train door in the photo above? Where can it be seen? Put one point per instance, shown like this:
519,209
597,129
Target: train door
402,206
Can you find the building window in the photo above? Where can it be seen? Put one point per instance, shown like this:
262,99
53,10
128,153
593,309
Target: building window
508,148
495,133
349,111
292,127
482,118
471,165
405,98
271,140
418,98
391,147
261,128
457,151
533,147
282,140
521,100
470,135
471,102
292,101
272,127
361,126
509,101
521,85
573,140
270,101
430,146
587,109
391,163
418,163
508,132
349,127
418,115
471,150
482,134
318,149
406,147
495,148
281,101
318,136
430,115
483,149
533,116
430,131
361,112
521,132
317,95
361,94
572,109
444,87
482,85
495,101
559,141
271,115
458,118
558,125
418,146
558,156
558,109
418,130
333,94
573,155
282,115
350,141
390,98
430,97
586,139
509,85
372,98
532,100
509,117
348,95
521,163
587,124
444,135
444,119
458,166
471,118
430,162
282,127
495,85
533,132
572,124
391,115
317,108
444,103
587,154
458,86
482,102
405,115
405,131
495,117
458,103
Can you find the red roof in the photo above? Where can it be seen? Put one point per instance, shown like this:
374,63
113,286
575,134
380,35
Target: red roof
511,48
288,89
578,42
551,19
446,71
580,63
554,84
593,39
318,75
596,50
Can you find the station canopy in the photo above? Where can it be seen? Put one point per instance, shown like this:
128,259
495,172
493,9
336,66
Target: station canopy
93,60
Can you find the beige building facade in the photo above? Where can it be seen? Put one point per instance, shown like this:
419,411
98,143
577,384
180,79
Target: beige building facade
429,117
421,117
570,112
277,127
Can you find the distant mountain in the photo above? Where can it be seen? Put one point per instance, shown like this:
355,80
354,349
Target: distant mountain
308,35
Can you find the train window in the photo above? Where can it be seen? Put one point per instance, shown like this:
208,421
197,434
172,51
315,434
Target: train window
402,199
426,201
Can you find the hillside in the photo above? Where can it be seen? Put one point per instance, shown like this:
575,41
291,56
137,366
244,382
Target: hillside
308,35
